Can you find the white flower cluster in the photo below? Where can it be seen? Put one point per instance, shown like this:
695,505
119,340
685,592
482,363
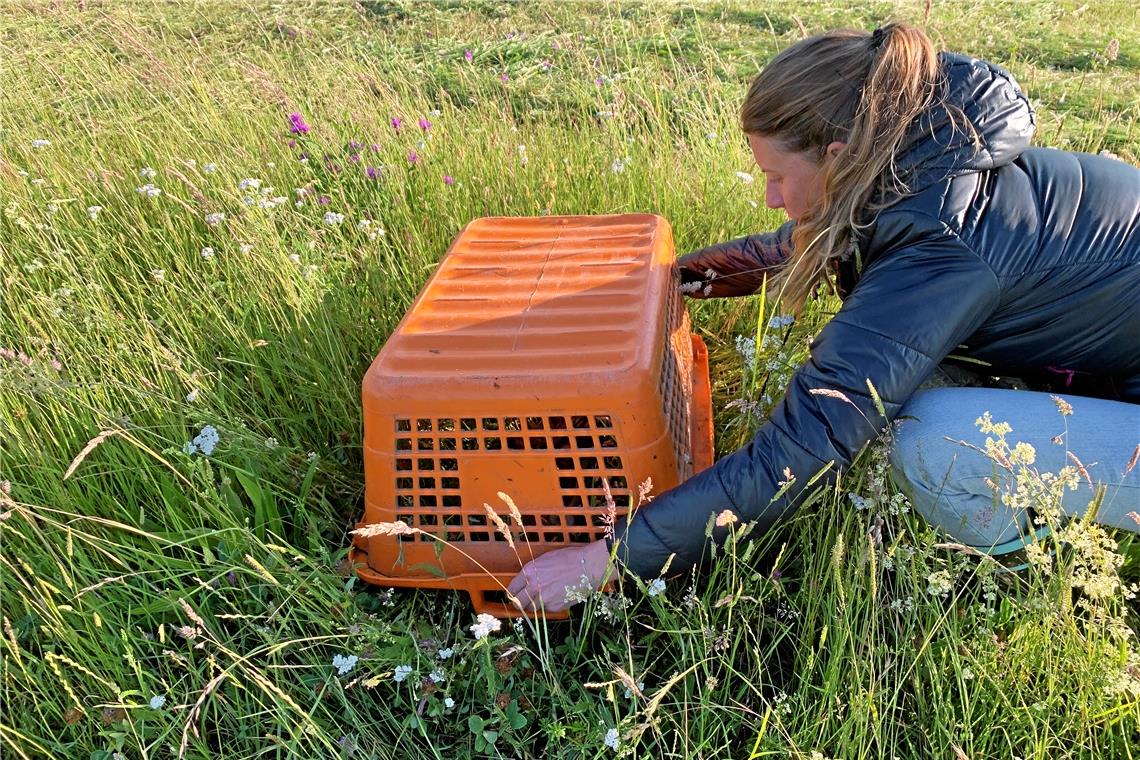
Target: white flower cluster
939,583
215,218
374,231
619,164
204,442
40,144
333,219
344,664
149,190
147,173
401,673
485,625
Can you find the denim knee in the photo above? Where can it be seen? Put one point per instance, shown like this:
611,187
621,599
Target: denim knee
947,481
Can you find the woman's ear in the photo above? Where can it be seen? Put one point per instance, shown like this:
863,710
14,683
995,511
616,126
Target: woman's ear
834,148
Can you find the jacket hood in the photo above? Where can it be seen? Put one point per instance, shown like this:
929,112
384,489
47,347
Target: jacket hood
991,100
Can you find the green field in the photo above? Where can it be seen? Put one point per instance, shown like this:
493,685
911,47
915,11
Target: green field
169,262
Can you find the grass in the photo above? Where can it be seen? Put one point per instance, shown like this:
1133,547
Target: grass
214,588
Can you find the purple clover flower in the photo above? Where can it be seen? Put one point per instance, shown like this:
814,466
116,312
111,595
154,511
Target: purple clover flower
425,125
323,200
374,147
372,172
397,122
413,157
468,56
299,127
354,158
503,77
448,179
292,143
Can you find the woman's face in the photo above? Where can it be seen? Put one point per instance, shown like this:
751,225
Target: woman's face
794,180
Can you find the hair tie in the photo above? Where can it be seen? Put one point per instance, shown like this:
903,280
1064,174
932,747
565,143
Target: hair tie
877,37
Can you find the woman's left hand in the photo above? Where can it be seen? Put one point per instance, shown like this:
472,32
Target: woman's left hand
543,582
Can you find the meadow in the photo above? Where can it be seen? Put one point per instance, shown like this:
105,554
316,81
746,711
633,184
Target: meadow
213,214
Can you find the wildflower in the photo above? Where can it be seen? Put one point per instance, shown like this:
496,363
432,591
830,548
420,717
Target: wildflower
401,673
445,654
204,442
147,173
207,253
413,157
448,179
297,124
435,112
271,443
40,144
618,165
467,55
781,321
710,136
333,219
354,158
726,518
437,676
504,78
629,693
210,168
246,247
656,587
215,218
192,396
323,200
745,177
295,258
345,664
613,739
425,125
157,702
38,181
149,190
939,583
546,65
485,625
448,702
93,212
158,275
397,122
1063,406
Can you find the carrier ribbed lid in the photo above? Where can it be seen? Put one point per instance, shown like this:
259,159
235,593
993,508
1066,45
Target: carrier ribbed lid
539,295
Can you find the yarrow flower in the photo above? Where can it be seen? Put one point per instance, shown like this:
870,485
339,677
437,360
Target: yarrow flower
249,183
40,144
149,190
343,663
297,124
401,673
215,218
333,219
207,253
204,442
618,166
437,676
745,177
210,168
157,702
781,321
147,173
485,625
93,212
445,654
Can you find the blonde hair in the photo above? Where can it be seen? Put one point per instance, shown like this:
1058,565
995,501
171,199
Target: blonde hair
847,86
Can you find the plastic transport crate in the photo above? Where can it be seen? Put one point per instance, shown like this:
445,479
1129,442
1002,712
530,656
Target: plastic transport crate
544,356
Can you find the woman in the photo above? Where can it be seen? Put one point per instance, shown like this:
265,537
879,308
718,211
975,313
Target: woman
912,189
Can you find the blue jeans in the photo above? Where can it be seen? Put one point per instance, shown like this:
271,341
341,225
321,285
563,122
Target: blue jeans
947,481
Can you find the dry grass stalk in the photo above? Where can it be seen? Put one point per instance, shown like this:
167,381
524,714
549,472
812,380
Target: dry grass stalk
87,450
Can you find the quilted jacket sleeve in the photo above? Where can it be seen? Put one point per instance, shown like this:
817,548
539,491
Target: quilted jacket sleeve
923,293
735,267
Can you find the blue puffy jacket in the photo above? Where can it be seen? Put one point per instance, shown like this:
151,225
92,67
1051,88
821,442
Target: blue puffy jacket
1025,258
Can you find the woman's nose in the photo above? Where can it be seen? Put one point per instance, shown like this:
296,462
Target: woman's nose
773,197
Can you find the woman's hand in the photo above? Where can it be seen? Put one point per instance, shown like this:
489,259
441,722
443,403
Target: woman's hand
542,582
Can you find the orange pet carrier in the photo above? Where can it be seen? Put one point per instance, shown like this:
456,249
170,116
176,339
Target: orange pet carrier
546,358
